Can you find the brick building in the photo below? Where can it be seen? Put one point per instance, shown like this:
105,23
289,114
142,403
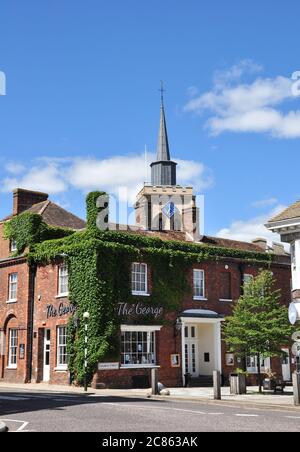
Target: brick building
35,305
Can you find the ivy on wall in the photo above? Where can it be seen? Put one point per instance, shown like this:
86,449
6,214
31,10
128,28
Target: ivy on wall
28,229
100,278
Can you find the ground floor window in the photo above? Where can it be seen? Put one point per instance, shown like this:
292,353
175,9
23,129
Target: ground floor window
252,364
62,356
13,348
138,348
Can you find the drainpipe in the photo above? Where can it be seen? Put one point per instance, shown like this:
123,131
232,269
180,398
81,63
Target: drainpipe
242,271
32,278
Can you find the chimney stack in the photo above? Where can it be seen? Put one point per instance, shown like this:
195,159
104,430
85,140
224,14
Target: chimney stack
262,243
24,199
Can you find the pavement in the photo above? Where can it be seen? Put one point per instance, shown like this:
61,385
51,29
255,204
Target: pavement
252,397
44,408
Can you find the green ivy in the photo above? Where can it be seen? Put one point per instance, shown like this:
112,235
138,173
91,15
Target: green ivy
28,229
100,278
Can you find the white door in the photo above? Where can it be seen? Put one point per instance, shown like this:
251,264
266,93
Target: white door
191,350
47,349
286,365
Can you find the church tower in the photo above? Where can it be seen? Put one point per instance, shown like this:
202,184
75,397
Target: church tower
163,205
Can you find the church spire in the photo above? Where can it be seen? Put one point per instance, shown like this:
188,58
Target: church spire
163,170
163,151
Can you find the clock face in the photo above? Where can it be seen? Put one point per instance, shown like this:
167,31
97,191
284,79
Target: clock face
293,314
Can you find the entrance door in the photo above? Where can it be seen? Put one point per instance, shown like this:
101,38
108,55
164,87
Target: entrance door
191,350
286,365
47,347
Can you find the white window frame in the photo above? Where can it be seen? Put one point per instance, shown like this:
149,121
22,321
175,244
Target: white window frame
13,246
13,349
139,292
12,288
195,287
151,334
60,292
59,346
253,369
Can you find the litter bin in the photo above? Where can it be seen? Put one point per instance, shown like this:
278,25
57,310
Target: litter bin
238,384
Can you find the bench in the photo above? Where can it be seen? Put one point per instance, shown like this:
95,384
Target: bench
274,385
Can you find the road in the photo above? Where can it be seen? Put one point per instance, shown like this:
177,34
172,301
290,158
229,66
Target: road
26,411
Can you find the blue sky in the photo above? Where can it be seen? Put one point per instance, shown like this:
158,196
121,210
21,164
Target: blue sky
81,101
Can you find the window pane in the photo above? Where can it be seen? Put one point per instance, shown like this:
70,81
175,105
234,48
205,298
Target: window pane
62,356
13,347
139,278
138,348
63,287
199,283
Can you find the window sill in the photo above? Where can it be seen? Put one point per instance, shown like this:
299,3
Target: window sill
200,299
61,369
140,294
62,295
140,366
11,301
226,300
11,368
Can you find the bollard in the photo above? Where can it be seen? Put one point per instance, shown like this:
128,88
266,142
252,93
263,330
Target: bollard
154,381
217,384
296,386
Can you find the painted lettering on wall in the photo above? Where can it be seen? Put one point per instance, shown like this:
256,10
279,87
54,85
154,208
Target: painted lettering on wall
62,310
139,309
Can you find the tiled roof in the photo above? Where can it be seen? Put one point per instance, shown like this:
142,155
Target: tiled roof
288,214
207,240
55,215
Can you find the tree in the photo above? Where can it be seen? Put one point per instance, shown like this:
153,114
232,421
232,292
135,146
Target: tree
259,324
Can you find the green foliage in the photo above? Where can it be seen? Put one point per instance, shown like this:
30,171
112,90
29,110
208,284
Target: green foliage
259,324
28,229
96,203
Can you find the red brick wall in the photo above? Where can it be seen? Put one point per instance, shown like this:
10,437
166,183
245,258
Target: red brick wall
14,315
46,293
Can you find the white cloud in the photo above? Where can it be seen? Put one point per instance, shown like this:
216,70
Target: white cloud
14,168
57,175
41,178
248,230
265,203
237,106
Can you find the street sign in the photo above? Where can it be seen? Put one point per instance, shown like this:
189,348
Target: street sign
293,314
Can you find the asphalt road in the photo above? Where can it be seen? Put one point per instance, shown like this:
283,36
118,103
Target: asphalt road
28,411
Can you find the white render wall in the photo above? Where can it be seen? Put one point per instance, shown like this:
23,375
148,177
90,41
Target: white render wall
296,267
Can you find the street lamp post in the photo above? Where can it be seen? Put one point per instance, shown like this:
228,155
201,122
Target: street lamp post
86,317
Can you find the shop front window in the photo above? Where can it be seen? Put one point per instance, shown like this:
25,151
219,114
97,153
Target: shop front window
138,348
